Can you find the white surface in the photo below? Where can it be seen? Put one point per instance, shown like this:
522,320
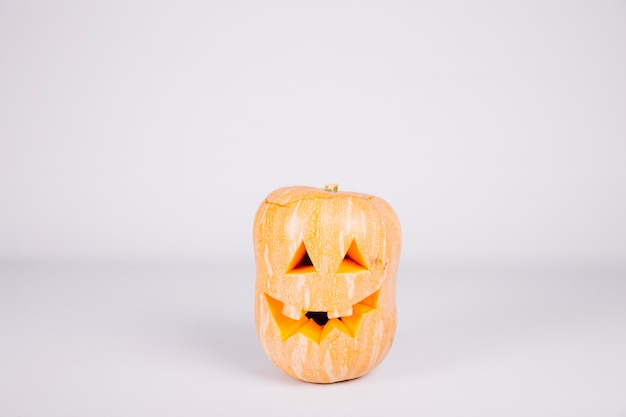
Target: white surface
146,131
160,341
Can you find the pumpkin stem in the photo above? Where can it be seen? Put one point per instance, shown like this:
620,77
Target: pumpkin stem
331,188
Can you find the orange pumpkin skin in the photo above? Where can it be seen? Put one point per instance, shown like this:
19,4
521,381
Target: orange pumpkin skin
326,267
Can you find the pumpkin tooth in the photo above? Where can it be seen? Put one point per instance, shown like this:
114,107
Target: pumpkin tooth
334,324
353,322
291,327
293,312
336,313
311,330
286,326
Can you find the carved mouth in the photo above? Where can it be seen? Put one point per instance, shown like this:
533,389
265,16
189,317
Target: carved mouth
316,325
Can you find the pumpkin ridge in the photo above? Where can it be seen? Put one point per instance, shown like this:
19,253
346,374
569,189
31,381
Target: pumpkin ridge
318,197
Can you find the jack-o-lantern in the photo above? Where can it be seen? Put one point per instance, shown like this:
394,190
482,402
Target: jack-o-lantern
326,279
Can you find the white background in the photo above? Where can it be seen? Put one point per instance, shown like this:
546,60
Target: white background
137,139
153,130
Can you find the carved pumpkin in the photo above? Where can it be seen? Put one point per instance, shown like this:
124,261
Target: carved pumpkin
326,278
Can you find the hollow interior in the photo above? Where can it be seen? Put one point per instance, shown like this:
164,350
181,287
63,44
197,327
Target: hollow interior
300,262
353,261
320,317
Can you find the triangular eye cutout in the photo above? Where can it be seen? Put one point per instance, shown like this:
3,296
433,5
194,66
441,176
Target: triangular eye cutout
301,262
353,261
